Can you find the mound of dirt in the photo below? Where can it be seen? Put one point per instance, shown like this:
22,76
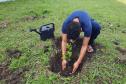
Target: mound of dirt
118,25
4,24
32,18
29,18
116,42
124,31
122,57
121,50
46,49
10,76
55,58
13,53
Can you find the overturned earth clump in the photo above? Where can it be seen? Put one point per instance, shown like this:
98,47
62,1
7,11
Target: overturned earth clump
29,18
124,31
122,57
32,18
8,75
121,50
13,53
55,58
4,24
116,42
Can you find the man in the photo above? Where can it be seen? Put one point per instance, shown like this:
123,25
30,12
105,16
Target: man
75,23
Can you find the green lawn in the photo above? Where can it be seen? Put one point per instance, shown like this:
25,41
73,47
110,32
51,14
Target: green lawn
17,16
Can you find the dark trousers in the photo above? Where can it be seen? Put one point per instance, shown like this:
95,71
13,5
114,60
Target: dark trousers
95,31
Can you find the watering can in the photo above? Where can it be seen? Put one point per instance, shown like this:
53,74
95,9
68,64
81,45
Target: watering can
45,31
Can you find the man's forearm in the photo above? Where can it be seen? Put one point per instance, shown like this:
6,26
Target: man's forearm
83,49
63,45
82,54
63,49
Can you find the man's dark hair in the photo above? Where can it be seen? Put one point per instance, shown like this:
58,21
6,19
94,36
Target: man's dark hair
74,29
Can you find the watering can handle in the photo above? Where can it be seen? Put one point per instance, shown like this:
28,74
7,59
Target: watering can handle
49,24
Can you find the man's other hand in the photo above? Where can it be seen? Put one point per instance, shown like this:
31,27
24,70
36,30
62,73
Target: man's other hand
75,66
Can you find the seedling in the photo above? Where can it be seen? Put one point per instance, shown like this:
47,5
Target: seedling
69,52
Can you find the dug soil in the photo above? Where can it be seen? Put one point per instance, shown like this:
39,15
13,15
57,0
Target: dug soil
122,57
55,58
11,76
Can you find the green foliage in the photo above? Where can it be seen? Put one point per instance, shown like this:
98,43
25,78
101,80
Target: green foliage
41,80
17,63
68,52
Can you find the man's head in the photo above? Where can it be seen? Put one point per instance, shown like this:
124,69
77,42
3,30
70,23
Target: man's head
74,25
74,28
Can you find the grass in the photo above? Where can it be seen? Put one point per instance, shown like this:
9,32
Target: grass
101,69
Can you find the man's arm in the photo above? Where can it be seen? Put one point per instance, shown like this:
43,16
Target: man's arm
83,49
82,53
63,46
64,43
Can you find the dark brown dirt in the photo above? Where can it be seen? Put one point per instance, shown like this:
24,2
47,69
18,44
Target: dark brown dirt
32,18
4,24
122,57
116,42
11,76
118,25
46,49
29,18
121,50
45,12
55,59
13,53
124,31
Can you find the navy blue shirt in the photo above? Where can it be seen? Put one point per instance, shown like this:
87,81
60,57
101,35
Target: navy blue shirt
84,19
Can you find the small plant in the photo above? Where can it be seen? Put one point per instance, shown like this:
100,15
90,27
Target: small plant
69,52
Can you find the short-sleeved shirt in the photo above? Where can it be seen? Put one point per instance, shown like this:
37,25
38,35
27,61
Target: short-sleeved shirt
84,19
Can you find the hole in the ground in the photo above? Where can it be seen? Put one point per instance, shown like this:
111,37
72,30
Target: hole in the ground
4,24
122,57
46,49
13,53
10,76
121,50
29,18
55,58
124,31
116,42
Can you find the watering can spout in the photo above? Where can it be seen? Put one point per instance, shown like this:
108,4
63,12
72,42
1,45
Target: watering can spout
34,30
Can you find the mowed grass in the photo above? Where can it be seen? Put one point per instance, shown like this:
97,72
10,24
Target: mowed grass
102,69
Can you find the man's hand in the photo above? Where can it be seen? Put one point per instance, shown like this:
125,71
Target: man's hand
82,54
75,66
64,62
